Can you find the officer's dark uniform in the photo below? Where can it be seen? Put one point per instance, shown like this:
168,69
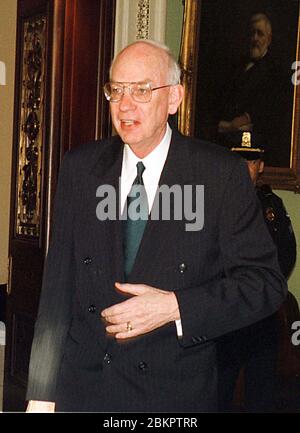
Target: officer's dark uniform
256,347
280,227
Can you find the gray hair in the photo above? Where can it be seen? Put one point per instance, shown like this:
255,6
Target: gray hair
262,17
174,71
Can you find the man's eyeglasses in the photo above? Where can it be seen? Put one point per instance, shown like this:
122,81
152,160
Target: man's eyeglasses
140,92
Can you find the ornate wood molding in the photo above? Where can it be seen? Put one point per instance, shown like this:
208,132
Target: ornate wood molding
139,19
31,127
143,19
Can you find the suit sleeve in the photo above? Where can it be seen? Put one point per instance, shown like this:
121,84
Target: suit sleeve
54,313
251,286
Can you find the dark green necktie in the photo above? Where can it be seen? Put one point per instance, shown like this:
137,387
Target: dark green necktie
136,209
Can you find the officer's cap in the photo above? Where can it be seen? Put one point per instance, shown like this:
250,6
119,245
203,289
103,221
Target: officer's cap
248,144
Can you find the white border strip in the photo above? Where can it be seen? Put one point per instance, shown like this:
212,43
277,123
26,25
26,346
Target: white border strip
2,74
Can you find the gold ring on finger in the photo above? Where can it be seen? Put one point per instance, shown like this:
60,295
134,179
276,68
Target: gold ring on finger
129,326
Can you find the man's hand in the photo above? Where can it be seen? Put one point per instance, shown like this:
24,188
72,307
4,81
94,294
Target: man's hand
36,406
148,309
239,123
224,126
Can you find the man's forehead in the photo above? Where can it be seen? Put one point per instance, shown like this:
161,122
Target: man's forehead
261,25
253,161
140,67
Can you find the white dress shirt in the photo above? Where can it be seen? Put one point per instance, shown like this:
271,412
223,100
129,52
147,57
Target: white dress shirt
153,163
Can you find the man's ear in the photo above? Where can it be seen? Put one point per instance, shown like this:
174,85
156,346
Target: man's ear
261,167
175,97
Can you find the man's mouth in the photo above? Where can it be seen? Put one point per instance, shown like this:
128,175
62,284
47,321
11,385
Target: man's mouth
128,122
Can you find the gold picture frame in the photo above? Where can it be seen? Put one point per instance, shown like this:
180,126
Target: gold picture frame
285,177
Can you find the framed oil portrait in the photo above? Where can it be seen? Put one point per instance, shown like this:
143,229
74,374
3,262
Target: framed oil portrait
239,63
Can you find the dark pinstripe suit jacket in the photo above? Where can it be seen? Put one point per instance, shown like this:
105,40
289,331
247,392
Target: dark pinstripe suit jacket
225,277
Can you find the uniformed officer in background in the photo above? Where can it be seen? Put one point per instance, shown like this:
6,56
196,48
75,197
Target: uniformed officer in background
255,348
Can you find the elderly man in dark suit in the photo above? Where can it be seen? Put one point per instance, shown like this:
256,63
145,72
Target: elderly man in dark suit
130,308
253,99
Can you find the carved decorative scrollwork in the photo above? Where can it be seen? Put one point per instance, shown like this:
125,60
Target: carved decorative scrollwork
143,19
31,117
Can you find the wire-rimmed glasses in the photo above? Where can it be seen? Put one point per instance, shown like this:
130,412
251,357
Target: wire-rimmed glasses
139,91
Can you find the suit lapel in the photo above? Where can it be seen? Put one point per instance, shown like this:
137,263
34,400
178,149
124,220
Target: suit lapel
107,171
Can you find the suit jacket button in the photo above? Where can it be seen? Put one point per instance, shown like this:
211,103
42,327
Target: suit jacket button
194,340
87,260
143,365
107,358
182,268
92,308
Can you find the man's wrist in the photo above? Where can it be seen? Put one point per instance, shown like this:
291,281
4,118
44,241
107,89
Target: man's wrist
174,307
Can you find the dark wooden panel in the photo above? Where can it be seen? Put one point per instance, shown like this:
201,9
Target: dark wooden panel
87,56
106,48
83,22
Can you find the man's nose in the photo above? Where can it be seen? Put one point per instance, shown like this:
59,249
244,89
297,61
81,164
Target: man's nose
127,102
